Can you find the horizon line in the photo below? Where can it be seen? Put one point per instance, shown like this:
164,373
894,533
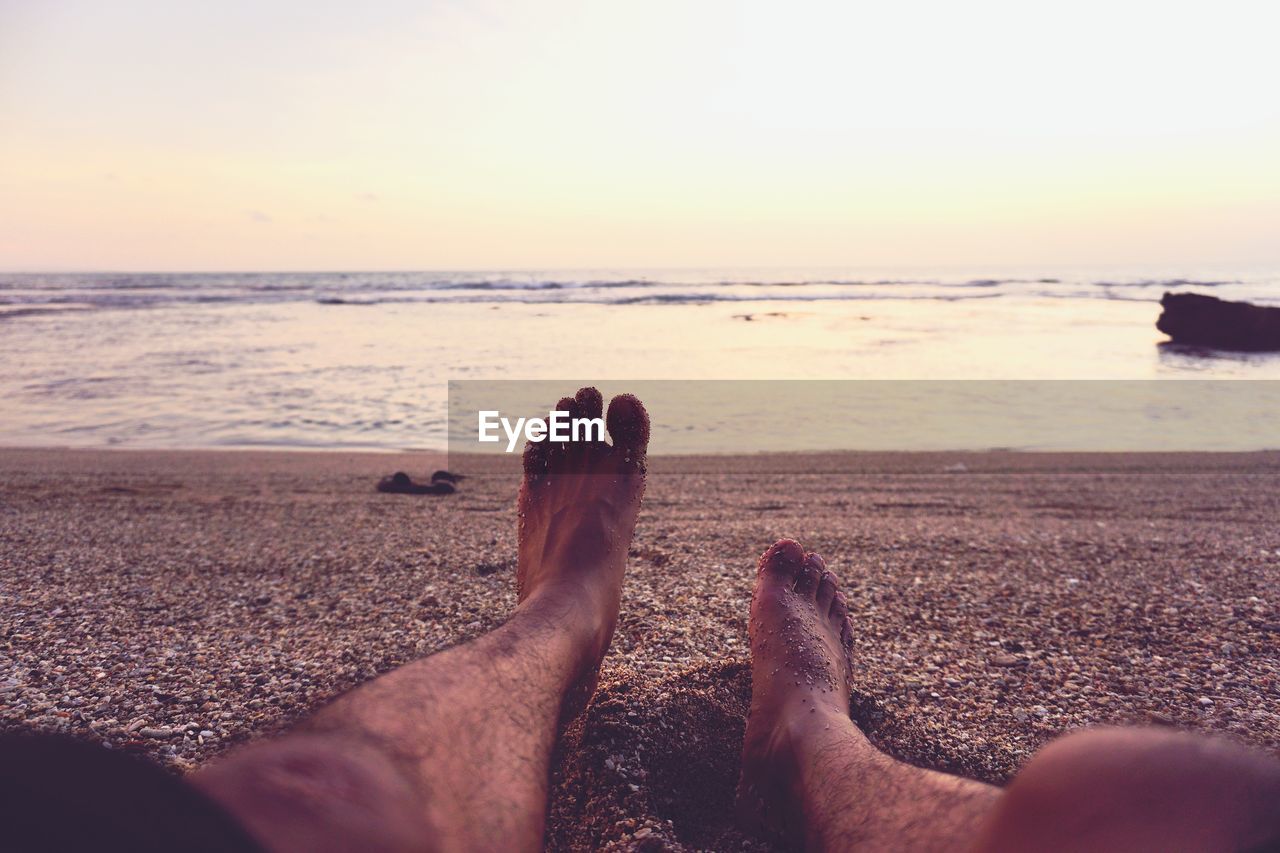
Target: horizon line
594,268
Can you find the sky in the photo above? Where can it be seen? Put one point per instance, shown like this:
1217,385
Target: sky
544,134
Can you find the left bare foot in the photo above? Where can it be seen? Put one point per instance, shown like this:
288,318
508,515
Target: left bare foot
577,507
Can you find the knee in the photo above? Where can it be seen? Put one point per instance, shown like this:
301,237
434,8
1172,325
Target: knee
1141,789
317,793
1110,761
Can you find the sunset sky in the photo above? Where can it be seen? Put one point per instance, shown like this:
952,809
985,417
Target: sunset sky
589,133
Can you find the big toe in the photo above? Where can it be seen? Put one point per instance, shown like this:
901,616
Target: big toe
781,562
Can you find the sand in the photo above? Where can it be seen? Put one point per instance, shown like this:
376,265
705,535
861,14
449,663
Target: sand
175,604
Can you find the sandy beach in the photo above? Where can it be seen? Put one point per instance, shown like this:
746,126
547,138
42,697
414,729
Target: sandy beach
174,604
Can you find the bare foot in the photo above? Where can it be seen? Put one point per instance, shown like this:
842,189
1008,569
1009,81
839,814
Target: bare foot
577,507
800,642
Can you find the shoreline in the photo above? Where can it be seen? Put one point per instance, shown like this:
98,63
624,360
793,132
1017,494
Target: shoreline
486,459
173,604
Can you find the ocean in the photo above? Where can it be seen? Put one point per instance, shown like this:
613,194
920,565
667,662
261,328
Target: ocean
363,360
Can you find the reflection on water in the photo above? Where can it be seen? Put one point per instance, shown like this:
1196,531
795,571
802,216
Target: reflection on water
1198,359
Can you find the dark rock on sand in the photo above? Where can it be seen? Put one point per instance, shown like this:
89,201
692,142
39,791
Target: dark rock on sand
447,476
1199,320
401,483
486,569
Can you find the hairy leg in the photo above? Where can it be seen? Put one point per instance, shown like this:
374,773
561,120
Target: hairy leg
452,752
809,774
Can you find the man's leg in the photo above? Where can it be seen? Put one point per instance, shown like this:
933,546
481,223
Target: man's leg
810,774
453,751
807,771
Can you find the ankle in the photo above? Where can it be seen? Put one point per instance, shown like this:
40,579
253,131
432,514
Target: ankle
798,732
570,610
803,722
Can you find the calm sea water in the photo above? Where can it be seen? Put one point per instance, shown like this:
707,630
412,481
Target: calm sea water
361,360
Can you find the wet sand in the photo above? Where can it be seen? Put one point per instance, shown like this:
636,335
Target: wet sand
173,604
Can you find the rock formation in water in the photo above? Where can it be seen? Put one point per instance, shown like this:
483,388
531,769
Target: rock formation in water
1207,321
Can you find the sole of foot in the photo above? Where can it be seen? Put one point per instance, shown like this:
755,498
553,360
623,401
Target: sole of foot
577,513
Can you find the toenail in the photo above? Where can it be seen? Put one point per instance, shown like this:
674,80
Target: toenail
788,550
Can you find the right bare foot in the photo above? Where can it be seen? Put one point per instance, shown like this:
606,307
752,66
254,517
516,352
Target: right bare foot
800,642
577,508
